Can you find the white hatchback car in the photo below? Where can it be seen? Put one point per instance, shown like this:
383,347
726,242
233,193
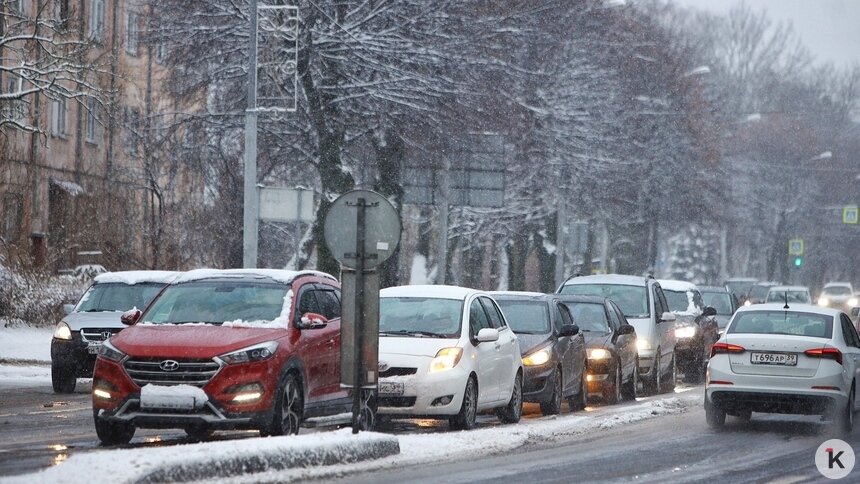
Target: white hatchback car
798,360
446,352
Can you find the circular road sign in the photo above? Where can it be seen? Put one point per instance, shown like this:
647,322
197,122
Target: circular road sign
381,228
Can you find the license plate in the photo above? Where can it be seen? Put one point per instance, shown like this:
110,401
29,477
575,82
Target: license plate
93,348
165,401
390,388
784,359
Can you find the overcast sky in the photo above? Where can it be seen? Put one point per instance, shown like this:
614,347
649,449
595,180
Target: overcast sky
830,28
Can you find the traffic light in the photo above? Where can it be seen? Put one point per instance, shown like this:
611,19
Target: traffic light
798,261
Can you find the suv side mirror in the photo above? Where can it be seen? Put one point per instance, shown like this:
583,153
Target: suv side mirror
312,321
487,335
68,308
568,330
667,317
130,317
626,329
709,311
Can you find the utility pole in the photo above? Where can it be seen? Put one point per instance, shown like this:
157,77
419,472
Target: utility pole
442,241
251,199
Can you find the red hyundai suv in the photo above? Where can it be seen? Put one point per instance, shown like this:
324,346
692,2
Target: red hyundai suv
224,349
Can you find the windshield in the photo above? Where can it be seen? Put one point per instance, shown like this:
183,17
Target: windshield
420,316
526,317
783,322
217,302
720,301
633,300
589,316
678,301
788,296
759,292
837,291
117,297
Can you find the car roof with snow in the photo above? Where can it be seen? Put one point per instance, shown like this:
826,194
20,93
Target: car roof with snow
581,298
677,286
518,295
803,308
136,277
714,289
789,288
277,275
430,291
608,279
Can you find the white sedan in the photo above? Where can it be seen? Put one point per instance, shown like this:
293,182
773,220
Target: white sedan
802,359
446,352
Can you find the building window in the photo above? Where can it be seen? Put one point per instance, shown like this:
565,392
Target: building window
16,109
132,122
17,6
131,34
97,20
92,122
58,117
61,11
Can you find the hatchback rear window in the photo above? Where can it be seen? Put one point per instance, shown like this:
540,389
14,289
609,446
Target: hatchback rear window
783,322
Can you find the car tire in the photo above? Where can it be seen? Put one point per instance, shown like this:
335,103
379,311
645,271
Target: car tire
667,385
655,379
62,379
695,371
465,419
289,408
715,417
553,405
111,433
629,389
843,421
199,432
612,391
513,411
580,401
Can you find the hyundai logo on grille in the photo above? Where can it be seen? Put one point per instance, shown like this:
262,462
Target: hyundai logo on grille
169,365
105,335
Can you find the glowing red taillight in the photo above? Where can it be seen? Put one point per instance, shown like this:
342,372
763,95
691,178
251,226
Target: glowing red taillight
723,348
828,353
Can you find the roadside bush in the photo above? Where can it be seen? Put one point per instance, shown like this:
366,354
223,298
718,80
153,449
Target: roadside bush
36,298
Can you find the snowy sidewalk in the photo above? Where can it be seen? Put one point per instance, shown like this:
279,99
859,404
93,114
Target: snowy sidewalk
25,344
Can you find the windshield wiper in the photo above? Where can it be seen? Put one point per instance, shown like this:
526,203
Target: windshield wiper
413,332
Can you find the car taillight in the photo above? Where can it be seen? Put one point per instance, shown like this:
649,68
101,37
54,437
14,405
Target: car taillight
831,353
721,348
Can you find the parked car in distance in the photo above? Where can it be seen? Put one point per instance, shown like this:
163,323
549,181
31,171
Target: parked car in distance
740,286
789,294
642,301
696,328
225,349
801,360
78,337
552,349
613,366
723,301
447,352
839,295
758,293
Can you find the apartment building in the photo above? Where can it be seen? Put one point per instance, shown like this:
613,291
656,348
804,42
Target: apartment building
91,179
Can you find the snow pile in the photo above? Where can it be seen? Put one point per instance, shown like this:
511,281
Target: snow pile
35,298
14,376
136,277
204,461
25,343
177,396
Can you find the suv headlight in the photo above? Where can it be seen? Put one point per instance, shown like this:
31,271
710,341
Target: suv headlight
597,353
539,357
62,331
109,352
258,352
643,344
852,302
446,359
685,332
823,302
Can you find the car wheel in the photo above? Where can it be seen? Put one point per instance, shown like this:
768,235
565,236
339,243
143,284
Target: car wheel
580,401
612,391
367,415
198,432
112,433
628,390
668,385
553,405
695,371
289,408
844,418
513,411
655,379
62,379
465,419
715,417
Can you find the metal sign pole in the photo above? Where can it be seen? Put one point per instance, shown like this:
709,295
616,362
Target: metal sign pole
359,315
250,209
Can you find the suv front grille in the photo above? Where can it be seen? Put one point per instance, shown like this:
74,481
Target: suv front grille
188,372
397,371
98,334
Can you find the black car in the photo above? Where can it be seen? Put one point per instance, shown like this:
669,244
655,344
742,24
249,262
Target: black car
613,366
723,301
552,347
696,328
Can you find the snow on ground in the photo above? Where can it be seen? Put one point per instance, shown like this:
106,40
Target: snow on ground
15,376
25,343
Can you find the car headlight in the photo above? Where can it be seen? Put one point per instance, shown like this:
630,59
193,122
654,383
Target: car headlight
823,302
62,331
446,359
537,358
597,353
642,344
258,352
852,302
685,332
747,303
109,352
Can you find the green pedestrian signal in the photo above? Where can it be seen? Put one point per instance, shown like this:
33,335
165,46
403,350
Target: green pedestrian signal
798,261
